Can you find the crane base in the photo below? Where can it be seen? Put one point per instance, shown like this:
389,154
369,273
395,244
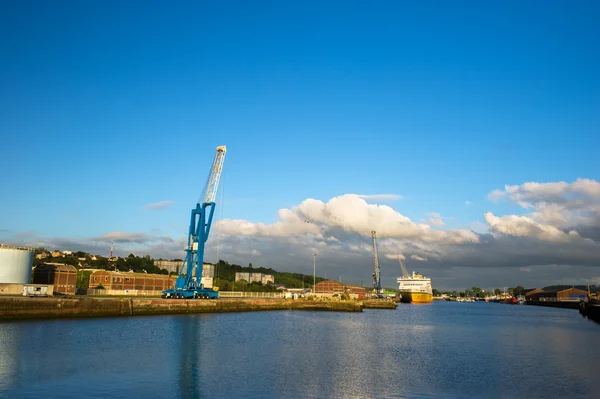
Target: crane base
190,294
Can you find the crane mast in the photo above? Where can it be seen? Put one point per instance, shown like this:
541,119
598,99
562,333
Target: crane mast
186,285
403,268
376,268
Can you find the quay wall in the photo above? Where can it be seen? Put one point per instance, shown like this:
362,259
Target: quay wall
591,310
28,308
555,304
379,304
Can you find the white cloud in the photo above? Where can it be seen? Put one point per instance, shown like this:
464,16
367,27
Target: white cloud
418,258
380,197
158,205
525,227
566,206
131,238
436,222
346,214
255,252
469,203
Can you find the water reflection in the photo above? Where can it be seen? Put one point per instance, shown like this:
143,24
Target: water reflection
444,350
10,343
188,354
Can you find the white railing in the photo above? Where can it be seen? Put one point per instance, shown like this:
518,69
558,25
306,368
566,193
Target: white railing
95,291
240,294
9,246
222,294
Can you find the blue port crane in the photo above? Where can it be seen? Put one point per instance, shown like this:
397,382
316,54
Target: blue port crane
188,286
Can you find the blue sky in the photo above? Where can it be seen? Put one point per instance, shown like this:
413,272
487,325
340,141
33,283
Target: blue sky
108,107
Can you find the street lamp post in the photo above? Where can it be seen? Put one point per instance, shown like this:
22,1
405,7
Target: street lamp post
314,272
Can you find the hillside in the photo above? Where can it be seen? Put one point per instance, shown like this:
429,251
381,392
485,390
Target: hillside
225,277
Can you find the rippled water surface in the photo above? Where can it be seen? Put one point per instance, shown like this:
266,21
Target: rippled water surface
438,350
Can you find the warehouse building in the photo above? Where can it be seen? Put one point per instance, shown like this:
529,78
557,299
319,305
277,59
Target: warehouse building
568,294
123,283
62,277
331,287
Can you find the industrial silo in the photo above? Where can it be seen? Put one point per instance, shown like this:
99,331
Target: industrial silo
15,265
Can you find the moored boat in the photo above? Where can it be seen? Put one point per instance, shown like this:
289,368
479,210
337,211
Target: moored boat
415,288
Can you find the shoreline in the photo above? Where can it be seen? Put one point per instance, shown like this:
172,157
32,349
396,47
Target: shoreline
53,308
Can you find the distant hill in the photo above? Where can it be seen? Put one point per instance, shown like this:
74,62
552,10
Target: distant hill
225,272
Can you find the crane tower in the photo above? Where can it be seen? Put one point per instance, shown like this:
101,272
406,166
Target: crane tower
376,268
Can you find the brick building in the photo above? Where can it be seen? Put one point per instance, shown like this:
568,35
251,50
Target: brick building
334,287
110,280
62,277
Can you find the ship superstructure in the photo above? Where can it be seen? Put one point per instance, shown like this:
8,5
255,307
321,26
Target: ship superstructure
414,288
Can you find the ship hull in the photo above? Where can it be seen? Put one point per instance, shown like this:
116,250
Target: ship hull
416,297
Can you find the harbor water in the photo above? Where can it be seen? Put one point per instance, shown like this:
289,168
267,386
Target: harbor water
436,350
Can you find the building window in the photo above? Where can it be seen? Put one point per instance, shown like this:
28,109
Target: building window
127,279
106,278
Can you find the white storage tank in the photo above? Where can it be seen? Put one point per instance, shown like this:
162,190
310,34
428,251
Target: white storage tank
15,265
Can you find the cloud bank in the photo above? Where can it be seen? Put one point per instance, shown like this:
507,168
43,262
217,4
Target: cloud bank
555,238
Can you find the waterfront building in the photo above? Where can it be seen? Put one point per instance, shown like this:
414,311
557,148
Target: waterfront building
63,277
334,287
564,295
133,283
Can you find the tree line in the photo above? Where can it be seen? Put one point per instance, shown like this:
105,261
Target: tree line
137,264
225,278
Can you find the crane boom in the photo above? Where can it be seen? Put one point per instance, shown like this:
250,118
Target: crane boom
215,175
402,267
376,268
187,285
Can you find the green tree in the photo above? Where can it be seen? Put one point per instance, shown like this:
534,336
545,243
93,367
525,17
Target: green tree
83,279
